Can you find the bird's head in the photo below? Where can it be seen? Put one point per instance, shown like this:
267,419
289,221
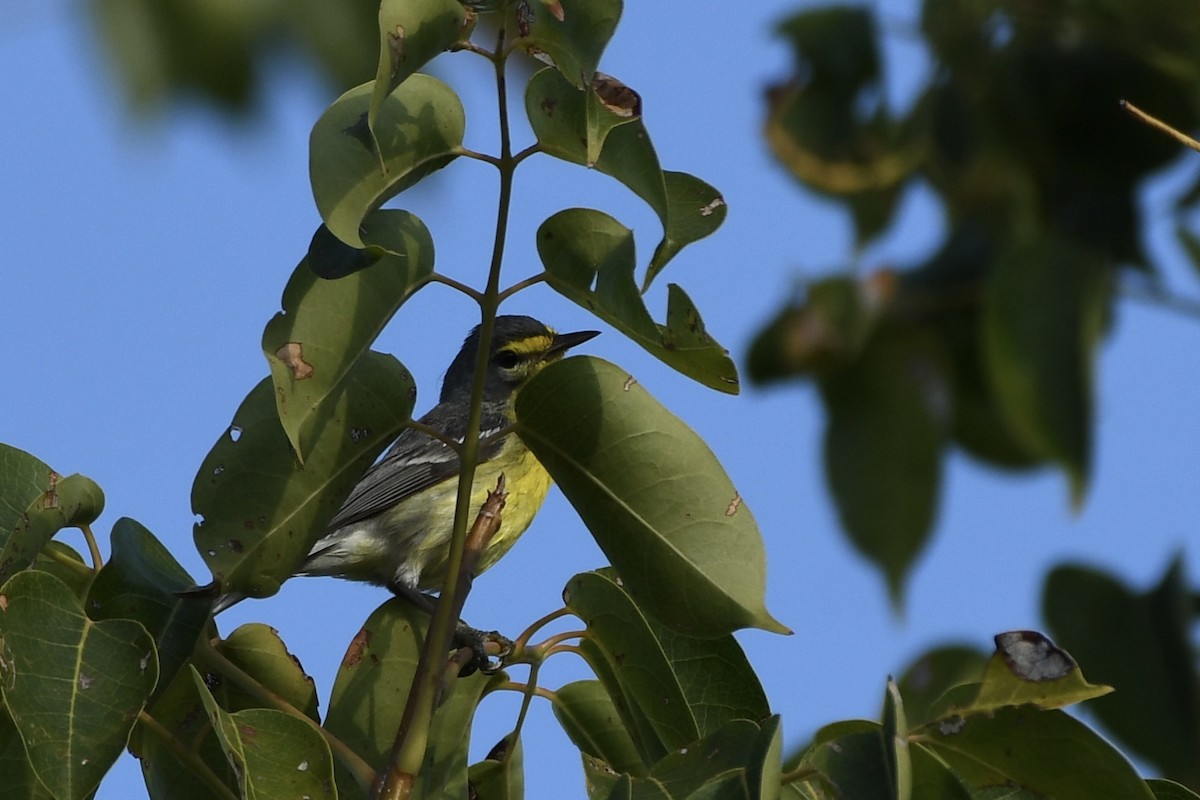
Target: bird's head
521,346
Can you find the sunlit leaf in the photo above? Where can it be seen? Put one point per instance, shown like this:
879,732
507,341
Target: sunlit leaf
260,510
73,687
589,258
1027,668
142,581
572,34
420,128
652,494
888,415
327,325
273,753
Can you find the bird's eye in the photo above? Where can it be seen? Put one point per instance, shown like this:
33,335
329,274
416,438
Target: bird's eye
507,359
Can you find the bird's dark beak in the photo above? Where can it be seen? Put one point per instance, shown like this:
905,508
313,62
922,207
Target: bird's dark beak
565,341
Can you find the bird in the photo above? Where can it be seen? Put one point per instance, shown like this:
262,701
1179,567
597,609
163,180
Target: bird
394,528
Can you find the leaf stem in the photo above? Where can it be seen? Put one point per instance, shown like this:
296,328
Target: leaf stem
518,686
93,548
453,284
532,280
796,775
537,625
364,774
189,758
61,558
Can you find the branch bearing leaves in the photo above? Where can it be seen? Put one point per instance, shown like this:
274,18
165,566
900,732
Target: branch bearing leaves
411,32
274,754
572,36
73,687
1141,643
327,325
589,259
687,687
420,128
260,510
142,581
578,126
368,699
1045,306
37,503
652,494
888,415
1047,753
590,718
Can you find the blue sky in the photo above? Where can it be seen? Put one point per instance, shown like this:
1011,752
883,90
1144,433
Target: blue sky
141,259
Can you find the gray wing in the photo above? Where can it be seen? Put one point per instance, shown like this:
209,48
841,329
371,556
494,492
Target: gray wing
413,463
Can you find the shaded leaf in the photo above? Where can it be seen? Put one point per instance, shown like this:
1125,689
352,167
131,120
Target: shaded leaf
420,128
258,650
687,687
851,760
327,325
895,738
652,494
591,719
260,510
888,415
589,259
1142,644
572,124
20,780
500,776
933,673
66,564
1169,790
370,691
1048,753
933,778
1044,309
274,754
635,719
142,581
573,36
73,687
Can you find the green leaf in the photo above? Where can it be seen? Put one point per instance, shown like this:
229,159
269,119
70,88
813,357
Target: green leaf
933,673
258,650
421,128
1027,668
20,781
933,778
851,758
888,415
327,325
591,719
1044,310
589,259
635,719
687,687
652,494
370,691
895,737
36,504
73,687
1170,790
1048,753
571,34
142,581
576,126
411,32
66,564
274,754
500,776
1142,644
260,510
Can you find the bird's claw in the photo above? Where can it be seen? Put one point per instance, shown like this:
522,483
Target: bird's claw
477,641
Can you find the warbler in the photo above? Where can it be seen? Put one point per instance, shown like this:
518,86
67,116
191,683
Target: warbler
394,529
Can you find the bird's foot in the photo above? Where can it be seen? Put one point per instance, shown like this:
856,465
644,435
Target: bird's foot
478,641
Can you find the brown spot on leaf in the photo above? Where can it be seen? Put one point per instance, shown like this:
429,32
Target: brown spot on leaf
396,46
247,731
630,382
3,602
354,653
50,500
235,545
733,506
616,96
707,210
292,355
85,681
549,105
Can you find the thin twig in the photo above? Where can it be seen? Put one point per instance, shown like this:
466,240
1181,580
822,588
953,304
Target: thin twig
1155,122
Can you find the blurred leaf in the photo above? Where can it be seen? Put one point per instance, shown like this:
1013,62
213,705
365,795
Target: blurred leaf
38,503
895,738
565,124
142,581
591,720
258,650
573,36
411,32
273,753
73,687
370,691
1190,243
1047,753
687,687
589,259
888,416
1141,644
327,325
1044,310
421,128
933,673
20,781
500,776
652,494
260,511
